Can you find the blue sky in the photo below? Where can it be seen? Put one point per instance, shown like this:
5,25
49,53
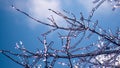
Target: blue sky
15,27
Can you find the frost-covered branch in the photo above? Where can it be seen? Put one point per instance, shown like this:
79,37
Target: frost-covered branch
103,52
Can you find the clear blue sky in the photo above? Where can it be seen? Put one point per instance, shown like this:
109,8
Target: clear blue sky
15,27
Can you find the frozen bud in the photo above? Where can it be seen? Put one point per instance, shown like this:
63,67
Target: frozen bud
35,56
74,61
17,46
68,47
62,63
20,42
99,38
24,51
13,7
33,60
45,54
39,66
74,35
54,54
37,52
63,46
44,60
98,45
100,30
22,62
76,66
50,66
